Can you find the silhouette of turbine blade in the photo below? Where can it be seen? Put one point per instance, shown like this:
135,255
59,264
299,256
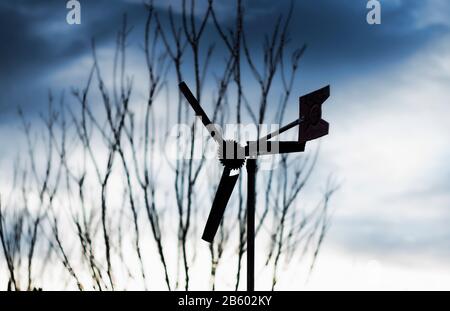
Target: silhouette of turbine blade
223,194
215,134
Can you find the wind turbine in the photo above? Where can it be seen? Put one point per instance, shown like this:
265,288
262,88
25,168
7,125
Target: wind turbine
233,157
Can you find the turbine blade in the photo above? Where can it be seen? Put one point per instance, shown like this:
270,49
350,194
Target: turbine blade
213,131
223,194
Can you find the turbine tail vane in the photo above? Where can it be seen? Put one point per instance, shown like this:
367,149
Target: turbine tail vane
312,125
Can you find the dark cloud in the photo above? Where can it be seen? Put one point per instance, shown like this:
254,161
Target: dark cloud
36,38
339,37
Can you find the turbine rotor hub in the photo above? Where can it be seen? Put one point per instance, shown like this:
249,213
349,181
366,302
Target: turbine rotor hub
231,154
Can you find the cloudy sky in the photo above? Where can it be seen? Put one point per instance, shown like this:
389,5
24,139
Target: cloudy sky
389,114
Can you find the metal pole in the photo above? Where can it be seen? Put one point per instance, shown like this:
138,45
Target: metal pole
251,181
